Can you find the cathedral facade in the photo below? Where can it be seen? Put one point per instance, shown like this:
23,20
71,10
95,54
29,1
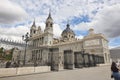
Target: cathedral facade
64,52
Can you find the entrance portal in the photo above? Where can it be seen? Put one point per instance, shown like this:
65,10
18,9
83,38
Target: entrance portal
53,58
78,60
68,59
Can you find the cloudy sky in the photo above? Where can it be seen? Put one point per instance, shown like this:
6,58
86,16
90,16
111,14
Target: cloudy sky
16,17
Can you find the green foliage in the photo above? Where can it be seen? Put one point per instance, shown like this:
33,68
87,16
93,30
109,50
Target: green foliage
1,50
4,55
9,56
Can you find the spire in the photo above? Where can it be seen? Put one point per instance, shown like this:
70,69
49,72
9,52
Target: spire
68,25
34,23
49,16
49,12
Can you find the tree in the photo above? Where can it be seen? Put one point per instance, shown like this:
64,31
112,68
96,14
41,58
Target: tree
9,56
1,52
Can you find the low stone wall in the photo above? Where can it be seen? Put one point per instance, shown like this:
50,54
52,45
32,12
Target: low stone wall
106,64
23,70
7,71
42,69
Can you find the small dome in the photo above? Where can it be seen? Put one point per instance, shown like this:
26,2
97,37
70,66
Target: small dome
39,28
91,31
68,30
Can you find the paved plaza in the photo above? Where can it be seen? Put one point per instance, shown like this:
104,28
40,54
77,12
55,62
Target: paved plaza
92,73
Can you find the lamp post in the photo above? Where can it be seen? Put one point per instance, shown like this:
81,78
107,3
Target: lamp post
83,51
26,39
35,57
35,64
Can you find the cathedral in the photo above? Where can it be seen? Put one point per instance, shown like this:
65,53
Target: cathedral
66,52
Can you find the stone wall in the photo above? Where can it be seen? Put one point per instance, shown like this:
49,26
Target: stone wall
23,70
7,71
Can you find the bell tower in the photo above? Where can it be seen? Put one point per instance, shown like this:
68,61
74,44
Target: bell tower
48,38
49,24
33,29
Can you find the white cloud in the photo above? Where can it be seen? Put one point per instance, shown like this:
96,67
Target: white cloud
108,21
79,37
81,26
57,30
107,14
41,24
11,12
13,33
63,10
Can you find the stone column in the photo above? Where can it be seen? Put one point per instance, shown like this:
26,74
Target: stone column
60,61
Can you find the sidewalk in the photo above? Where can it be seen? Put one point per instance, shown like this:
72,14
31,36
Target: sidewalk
92,73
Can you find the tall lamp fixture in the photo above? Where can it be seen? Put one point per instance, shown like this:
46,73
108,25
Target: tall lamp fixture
26,39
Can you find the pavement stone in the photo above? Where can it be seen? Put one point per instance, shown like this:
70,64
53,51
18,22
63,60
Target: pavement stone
92,73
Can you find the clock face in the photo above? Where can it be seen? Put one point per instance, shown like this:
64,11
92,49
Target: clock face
92,42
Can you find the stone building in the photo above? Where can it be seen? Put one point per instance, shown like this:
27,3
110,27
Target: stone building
115,54
64,52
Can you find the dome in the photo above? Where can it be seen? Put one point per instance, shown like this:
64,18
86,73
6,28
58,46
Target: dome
68,30
91,31
39,28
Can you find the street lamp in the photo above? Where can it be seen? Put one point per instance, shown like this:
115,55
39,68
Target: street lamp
83,51
35,57
26,39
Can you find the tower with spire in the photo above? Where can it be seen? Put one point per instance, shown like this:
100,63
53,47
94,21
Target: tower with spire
43,48
49,30
49,24
33,29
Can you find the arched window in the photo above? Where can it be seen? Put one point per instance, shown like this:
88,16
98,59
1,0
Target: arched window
51,25
65,36
69,35
30,31
46,24
34,31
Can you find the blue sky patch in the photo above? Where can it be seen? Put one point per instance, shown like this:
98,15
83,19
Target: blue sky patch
76,11
115,42
77,20
81,32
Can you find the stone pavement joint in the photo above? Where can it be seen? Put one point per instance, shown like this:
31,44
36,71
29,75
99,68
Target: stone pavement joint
92,73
